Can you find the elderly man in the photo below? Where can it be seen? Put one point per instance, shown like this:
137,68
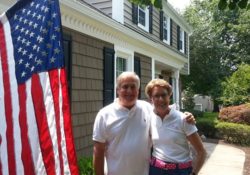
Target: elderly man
122,132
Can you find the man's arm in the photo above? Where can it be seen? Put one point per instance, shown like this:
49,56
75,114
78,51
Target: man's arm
98,157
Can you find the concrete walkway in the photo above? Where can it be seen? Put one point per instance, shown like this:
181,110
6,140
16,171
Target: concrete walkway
223,160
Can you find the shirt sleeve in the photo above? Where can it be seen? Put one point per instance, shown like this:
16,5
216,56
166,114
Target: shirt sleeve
188,128
99,130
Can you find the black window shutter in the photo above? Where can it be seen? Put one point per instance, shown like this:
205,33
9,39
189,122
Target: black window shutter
134,13
171,32
137,66
178,37
137,69
108,76
161,25
171,83
150,18
185,42
67,60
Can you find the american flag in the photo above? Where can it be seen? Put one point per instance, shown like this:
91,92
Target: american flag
35,122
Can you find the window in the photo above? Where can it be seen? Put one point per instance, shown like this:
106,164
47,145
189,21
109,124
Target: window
123,62
166,29
181,40
143,18
121,65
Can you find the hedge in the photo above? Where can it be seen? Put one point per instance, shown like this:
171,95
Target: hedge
234,133
211,127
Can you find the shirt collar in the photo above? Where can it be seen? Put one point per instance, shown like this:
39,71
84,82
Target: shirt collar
120,107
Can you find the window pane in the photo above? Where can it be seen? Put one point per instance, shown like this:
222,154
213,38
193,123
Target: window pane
165,28
142,16
121,65
181,40
181,34
180,45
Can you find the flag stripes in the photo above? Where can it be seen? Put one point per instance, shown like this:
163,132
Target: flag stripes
3,145
33,132
35,128
7,103
43,125
68,148
54,82
26,153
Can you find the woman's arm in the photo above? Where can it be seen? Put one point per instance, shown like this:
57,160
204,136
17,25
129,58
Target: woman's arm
196,142
98,157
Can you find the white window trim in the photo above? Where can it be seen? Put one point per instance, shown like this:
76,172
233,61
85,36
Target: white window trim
126,54
182,38
168,29
146,10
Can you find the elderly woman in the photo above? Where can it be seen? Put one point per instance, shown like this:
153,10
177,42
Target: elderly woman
171,135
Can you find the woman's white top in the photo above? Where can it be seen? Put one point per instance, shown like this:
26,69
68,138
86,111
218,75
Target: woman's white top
169,137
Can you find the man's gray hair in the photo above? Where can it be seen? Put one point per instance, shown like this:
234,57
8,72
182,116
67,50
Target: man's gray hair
127,74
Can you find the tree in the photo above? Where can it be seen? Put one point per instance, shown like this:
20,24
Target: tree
218,46
236,88
233,4
155,3
188,100
222,4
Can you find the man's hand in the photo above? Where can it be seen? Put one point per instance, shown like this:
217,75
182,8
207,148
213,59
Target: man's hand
190,118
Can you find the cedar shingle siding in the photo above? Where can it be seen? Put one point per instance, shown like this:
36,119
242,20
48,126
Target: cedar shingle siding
145,72
86,87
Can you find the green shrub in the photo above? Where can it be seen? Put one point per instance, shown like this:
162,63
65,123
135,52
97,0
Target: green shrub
207,125
234,133
86,166
211,127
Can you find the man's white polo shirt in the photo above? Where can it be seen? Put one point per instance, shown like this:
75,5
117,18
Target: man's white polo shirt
126,133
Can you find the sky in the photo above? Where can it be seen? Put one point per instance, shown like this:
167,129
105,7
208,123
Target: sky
179,4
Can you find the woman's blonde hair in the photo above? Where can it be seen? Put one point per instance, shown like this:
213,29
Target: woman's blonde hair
157,82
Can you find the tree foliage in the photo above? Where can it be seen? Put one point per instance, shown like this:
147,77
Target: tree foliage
236,88
218,45
155,3
222,4
233,4
188,100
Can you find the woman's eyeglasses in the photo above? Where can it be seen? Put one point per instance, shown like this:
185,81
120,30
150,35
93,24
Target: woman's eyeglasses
158,96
